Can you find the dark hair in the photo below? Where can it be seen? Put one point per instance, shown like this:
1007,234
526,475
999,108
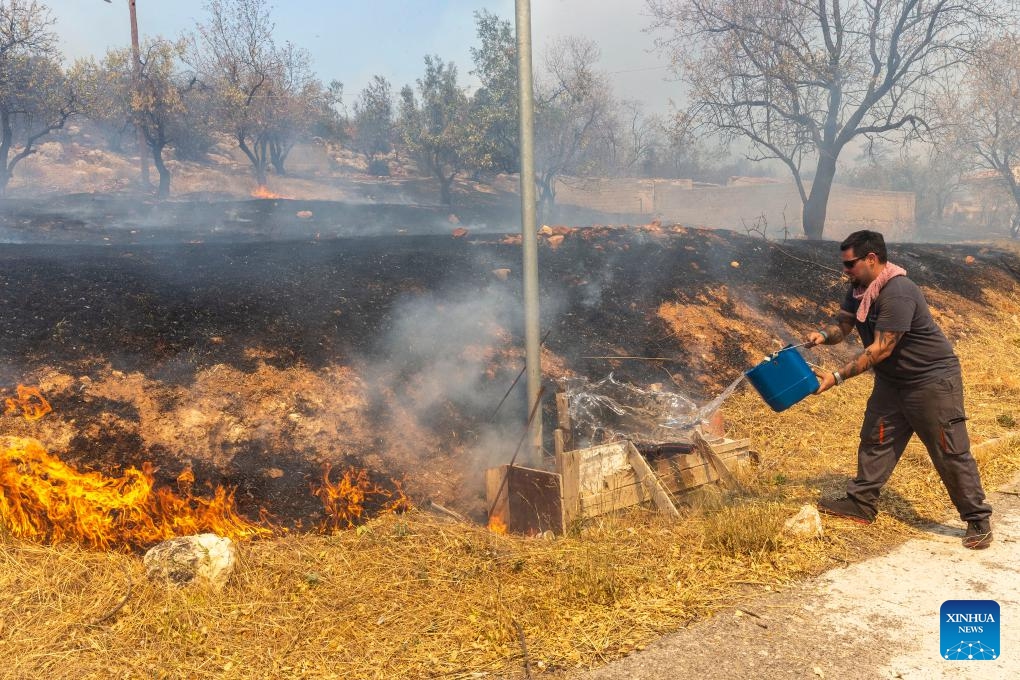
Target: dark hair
864,242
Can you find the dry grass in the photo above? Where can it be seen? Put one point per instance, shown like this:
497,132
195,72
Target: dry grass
414,596
403,597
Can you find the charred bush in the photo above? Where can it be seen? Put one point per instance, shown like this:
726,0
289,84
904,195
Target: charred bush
379,167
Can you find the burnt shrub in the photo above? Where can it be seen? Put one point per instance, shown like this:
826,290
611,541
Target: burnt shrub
379,167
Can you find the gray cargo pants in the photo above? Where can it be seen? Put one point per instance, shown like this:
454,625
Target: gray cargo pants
935,412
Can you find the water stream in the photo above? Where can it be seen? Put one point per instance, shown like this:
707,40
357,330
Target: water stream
609,409
705,412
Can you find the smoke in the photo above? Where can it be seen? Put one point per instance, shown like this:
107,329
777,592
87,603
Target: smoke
439,349
445,364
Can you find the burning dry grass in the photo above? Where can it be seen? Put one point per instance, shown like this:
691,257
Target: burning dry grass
415,596
41,498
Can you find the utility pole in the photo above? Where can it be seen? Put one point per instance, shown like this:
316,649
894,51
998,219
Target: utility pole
136,54
529,229
143,146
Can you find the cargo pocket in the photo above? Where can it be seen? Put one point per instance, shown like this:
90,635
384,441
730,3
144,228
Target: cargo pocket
954,437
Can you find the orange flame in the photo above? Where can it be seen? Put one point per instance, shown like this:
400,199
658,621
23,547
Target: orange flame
344,501
262,191
43,499
31,403
497,525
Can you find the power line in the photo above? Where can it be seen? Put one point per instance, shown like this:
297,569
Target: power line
635,70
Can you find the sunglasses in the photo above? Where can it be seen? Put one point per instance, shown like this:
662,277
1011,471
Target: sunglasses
849,264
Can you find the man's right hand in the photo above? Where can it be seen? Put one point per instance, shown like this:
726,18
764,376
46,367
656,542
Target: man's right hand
815,338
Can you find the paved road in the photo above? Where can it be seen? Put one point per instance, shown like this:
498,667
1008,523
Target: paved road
874,619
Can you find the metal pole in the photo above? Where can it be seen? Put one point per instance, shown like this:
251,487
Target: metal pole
143,146
529,229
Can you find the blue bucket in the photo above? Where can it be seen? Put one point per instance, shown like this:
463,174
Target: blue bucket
783,379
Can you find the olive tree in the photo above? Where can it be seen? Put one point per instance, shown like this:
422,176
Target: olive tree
151,96
36,95
435,125
373,123
495,103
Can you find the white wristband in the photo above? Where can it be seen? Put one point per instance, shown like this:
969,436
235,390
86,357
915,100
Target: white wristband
838,377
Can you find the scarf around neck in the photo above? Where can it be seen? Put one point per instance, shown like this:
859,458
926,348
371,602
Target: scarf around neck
868,295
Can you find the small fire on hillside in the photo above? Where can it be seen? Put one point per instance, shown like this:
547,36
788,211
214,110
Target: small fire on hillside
263,191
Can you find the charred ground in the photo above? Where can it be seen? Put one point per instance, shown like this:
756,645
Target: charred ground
251,334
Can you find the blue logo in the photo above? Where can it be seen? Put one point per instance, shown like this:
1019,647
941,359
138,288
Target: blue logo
969,630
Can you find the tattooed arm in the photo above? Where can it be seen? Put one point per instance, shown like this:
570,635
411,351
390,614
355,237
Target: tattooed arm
877,351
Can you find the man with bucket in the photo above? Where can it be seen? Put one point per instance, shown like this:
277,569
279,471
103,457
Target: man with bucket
918,388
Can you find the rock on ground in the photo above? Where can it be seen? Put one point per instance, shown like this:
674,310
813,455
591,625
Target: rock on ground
206,558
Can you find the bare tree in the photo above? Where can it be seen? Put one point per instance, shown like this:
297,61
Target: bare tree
267,96
634,141
573,109
300,104
801,79
986,114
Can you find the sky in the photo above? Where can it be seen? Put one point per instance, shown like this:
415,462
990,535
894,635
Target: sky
352,40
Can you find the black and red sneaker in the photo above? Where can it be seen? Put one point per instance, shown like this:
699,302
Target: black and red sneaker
846,508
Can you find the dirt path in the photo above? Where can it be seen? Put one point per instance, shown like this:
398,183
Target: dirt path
874,619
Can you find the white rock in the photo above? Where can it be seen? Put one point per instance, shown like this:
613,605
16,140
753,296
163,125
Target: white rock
805,524
206,558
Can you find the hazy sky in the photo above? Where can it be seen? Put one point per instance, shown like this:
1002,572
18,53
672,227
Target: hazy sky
352,40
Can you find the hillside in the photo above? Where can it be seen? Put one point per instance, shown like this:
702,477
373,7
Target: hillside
254,352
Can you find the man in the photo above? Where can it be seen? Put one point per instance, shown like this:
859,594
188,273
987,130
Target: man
918,388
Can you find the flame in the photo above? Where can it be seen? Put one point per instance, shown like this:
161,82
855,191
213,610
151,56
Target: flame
262,191
344,501
185,481
43,499
497,525
31,403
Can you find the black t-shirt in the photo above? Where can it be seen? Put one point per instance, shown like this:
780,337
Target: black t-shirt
923,353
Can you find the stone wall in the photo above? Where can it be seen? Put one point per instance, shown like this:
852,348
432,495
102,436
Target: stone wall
775,207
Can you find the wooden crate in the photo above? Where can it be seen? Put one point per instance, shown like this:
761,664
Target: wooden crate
602,479
610,477
605,478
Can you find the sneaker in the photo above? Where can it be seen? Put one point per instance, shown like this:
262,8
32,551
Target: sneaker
847,508
978,535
